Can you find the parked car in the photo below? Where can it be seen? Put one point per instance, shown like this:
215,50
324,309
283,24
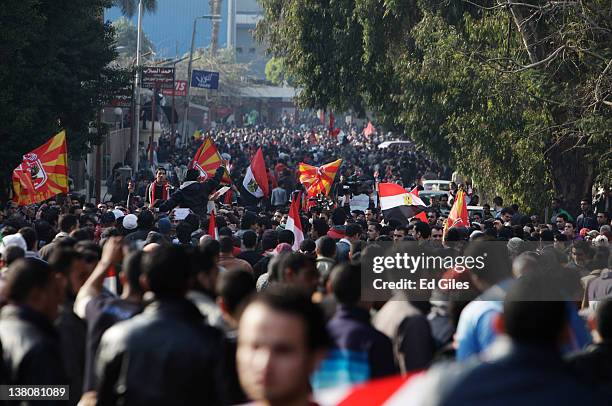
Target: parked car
437,185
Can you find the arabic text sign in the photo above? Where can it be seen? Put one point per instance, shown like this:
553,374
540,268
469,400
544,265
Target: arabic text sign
161,78
204,79
180,89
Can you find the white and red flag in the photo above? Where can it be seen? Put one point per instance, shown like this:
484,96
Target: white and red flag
294,222
256,179
397,203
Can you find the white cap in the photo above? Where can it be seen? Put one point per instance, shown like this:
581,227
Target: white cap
118,214
130,222
13,239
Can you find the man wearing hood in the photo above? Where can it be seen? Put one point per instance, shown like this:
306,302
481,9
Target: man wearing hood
193,194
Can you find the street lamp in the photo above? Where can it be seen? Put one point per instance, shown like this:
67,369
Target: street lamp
136,118
212,17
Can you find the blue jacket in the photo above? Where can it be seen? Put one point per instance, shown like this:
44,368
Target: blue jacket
359,352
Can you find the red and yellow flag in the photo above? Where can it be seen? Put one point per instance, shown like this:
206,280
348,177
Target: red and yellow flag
207,159
458,216
43,173
318,179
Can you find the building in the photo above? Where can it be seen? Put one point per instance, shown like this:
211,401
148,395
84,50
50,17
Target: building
242,18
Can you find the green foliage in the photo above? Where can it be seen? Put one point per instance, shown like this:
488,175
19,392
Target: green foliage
129,8
461,80
126,38
277,74
54,58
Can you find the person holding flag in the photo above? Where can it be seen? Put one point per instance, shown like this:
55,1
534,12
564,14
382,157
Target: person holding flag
294,222
255,181
399,204
194,194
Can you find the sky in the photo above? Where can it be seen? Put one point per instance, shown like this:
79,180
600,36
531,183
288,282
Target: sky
171,25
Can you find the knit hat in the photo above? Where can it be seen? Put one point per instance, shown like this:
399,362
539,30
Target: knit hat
164,225
118,214
130,222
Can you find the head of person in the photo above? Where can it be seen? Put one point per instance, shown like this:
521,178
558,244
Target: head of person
269,240
569,230
226,245
560,221
183,232
68,223
437,233
525,304
32,283
422,231
374,229
506,214
498,201
249,240
585,204
281,340
129,276
338,217
192,175
603,320
299,270
319,228
497,265
286,236
10,254
248,221
326,247
346,283
146,220
31,238
581,253
71,265
556,203
234,287
353,232
167,272
602,218
369,215
160,175
400,232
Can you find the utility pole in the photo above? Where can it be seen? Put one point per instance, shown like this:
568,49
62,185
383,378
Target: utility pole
189,66
136,118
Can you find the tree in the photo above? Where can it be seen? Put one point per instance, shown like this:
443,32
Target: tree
54,58
129,8
126,38
276,72
516,95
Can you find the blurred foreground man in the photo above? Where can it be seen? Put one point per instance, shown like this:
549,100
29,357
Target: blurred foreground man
167,355
281,340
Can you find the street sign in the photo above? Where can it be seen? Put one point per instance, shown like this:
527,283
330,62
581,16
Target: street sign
204,79
180,89
123,98
161,78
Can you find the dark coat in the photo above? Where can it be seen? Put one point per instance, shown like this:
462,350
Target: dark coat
166,355
194,195
31,348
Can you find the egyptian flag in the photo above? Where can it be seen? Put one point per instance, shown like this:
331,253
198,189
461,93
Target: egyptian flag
397,203
256,179
422,215
212,226
294,222
43,172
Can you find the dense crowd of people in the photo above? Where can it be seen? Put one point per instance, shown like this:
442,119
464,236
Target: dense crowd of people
130,302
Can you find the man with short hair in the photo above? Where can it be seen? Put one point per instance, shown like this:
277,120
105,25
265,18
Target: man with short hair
248,251
586,218
31,348
602,219
159,190
359,351
422,232
299,270
436,234
281,340
227,259
374,229
343,247
570,231
31,238
560,221
557,211
166,355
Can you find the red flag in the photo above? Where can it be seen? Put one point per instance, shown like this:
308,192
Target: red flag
256,179
332,121
212,226
369,130
294,223
43,173
458,216
322,116
207,159
421,216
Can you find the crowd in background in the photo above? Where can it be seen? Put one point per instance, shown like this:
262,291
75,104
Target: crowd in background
129,304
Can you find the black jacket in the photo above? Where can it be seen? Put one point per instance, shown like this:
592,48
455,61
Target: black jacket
166,355
31,349
193,195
